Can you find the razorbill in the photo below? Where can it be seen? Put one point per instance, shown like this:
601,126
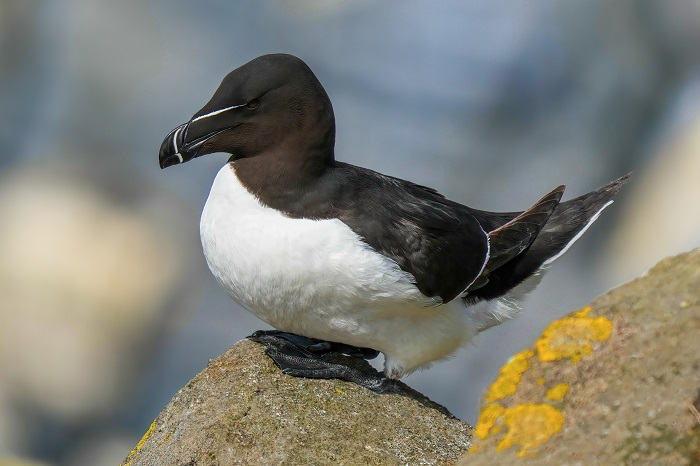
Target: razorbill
325,251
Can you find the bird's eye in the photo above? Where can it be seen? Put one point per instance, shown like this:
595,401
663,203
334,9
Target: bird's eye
253,104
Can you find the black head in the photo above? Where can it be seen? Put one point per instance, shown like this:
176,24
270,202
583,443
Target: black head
264,106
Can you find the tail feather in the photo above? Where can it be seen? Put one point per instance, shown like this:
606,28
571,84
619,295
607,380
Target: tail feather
512,238
564,226
572,218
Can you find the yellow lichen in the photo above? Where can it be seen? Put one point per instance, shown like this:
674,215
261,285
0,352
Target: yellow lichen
529,426
557,392
141,442
572,337
540,381
487,419
509,376
146,435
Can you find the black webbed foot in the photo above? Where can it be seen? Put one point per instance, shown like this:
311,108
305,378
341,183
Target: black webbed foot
308,357
317,346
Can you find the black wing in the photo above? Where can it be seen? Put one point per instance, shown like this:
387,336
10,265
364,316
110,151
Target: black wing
439,242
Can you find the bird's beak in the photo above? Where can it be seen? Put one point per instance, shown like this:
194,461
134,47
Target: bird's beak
185,142
172,148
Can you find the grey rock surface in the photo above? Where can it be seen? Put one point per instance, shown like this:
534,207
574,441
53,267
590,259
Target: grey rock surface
242,409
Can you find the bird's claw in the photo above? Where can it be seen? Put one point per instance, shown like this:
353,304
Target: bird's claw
299,356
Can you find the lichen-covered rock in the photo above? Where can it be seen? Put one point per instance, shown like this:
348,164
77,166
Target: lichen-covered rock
614,383
242,410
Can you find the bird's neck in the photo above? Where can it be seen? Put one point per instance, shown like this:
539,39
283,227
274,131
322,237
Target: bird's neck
281,177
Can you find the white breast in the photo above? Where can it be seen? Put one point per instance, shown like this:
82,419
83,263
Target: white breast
318,278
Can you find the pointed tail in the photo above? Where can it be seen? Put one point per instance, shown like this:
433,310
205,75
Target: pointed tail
566,224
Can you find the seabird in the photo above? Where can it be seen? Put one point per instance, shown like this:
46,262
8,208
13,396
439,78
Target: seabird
342,258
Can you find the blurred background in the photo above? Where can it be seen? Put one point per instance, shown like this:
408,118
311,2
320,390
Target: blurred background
107,306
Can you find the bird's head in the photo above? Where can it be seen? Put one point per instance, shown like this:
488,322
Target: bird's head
258,107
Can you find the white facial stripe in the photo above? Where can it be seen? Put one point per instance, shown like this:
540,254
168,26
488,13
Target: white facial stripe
216,112
179,156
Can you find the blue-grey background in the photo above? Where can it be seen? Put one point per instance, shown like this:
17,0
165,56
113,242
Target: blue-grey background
107,306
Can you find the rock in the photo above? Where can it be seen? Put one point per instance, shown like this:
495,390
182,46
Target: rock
243,410
94,308
614,383
20,462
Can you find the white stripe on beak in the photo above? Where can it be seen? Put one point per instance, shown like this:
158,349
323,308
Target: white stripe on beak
216,112
177,151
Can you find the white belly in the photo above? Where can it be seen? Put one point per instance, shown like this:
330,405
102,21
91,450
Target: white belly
319,279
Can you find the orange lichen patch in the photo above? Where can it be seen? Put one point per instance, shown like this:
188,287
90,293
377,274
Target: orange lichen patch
529,426
509,376
572,337
557,392
487,419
